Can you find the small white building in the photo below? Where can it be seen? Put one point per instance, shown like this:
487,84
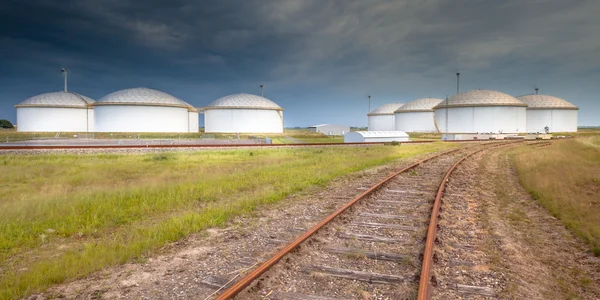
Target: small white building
243,113
330,129
56,112
417,116
375,136
382,118
144,110
543,111
481,111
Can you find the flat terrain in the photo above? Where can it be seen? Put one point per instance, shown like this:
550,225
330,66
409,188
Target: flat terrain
565,179
63,216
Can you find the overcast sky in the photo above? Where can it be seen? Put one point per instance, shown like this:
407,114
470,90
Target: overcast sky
318,59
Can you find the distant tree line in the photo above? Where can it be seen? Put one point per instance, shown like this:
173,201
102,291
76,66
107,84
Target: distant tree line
6,124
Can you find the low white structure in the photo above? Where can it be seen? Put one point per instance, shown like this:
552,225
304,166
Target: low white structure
382,118
330,129
543,111
417,116
243,113
481,111
144,110
375,136
56,112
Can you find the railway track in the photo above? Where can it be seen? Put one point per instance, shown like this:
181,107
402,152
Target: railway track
371,248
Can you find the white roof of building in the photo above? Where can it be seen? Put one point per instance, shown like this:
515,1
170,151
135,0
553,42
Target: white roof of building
481,98
368,134
386,109
538,101
57,99
142,96
243,101
420,105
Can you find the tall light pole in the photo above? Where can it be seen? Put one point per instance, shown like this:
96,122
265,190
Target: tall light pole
368,112
64,71
262,89
457,82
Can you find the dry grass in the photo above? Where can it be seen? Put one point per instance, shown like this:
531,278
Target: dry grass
565,179
63,216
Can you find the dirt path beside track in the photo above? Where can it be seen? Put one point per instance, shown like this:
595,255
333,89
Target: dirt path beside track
495,236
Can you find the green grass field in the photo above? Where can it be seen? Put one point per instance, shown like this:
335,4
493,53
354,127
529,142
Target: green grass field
63,216
565,179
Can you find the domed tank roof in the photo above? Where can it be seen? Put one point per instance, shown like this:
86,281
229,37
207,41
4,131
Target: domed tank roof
537,101
57,99
141,96
243,101
481,98
419,105
386,109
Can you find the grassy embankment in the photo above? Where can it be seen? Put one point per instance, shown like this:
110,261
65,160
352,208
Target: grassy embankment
565,179
64,216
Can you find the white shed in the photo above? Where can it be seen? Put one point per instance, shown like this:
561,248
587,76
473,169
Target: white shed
375,136
382,118
417,116
543,111
243,113
56,112
330,129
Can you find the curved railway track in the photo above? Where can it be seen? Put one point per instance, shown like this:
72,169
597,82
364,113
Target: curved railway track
373,245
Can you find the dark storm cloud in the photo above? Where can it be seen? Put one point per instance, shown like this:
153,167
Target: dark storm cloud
311,54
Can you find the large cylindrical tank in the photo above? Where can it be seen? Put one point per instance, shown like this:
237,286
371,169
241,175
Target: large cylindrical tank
243,113
556,114
143,110
481,111
382,118
56,112
417,116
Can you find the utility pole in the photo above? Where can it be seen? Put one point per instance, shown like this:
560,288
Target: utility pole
262,89
64,71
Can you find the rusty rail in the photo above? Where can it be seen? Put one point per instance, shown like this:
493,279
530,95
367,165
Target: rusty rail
424,282
247,280
50,147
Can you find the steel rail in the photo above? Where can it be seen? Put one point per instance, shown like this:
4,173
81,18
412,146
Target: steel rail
50,147
250,277
424,292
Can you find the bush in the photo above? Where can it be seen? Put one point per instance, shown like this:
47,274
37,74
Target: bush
6,124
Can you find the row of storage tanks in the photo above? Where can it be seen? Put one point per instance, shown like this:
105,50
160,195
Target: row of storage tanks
478,111
146,110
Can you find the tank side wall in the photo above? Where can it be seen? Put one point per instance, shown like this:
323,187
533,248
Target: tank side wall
382,123
51,119
415,122
124,118
243,121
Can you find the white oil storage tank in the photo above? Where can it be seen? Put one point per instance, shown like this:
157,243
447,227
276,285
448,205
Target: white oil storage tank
143,110
417,116
243,113
481,111
382,118
549,112
56,112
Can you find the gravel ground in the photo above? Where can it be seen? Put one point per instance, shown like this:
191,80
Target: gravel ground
195,267
494,236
